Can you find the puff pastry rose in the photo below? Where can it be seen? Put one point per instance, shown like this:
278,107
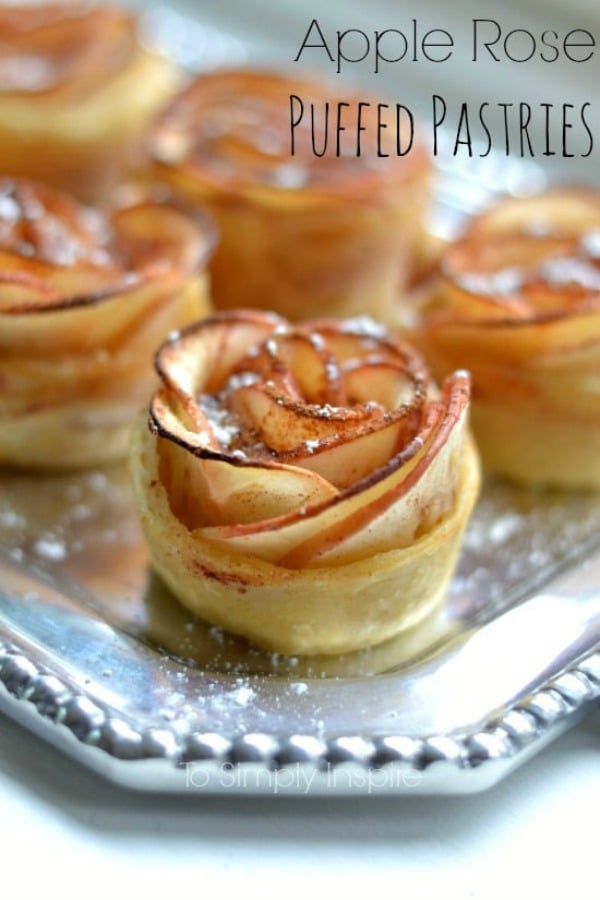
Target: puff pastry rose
306,487
302,234
85,299
519,306
76,90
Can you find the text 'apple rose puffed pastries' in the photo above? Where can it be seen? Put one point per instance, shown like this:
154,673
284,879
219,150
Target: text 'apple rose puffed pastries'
77,88
308,226
518,304
85,298
304,486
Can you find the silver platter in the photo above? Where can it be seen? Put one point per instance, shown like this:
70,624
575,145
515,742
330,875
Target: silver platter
100,660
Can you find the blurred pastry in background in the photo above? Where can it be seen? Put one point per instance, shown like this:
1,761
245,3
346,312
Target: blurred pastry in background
77,88
319,197
518,304
85,299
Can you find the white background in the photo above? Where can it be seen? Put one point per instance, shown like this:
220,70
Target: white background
66,835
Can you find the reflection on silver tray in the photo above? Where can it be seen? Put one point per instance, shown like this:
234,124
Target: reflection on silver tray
101,660
97,658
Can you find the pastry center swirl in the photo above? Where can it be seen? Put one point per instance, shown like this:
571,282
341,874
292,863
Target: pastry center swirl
299,391
546,270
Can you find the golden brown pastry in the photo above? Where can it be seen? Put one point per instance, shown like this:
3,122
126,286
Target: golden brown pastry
306,487
301,234
85,299
76,91
519,306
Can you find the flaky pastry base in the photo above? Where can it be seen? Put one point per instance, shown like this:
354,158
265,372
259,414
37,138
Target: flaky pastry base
534,412
541,451
83,405
324,610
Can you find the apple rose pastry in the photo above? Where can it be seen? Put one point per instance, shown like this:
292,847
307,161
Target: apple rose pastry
519,305
85,299
309,225
76,90
306,487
